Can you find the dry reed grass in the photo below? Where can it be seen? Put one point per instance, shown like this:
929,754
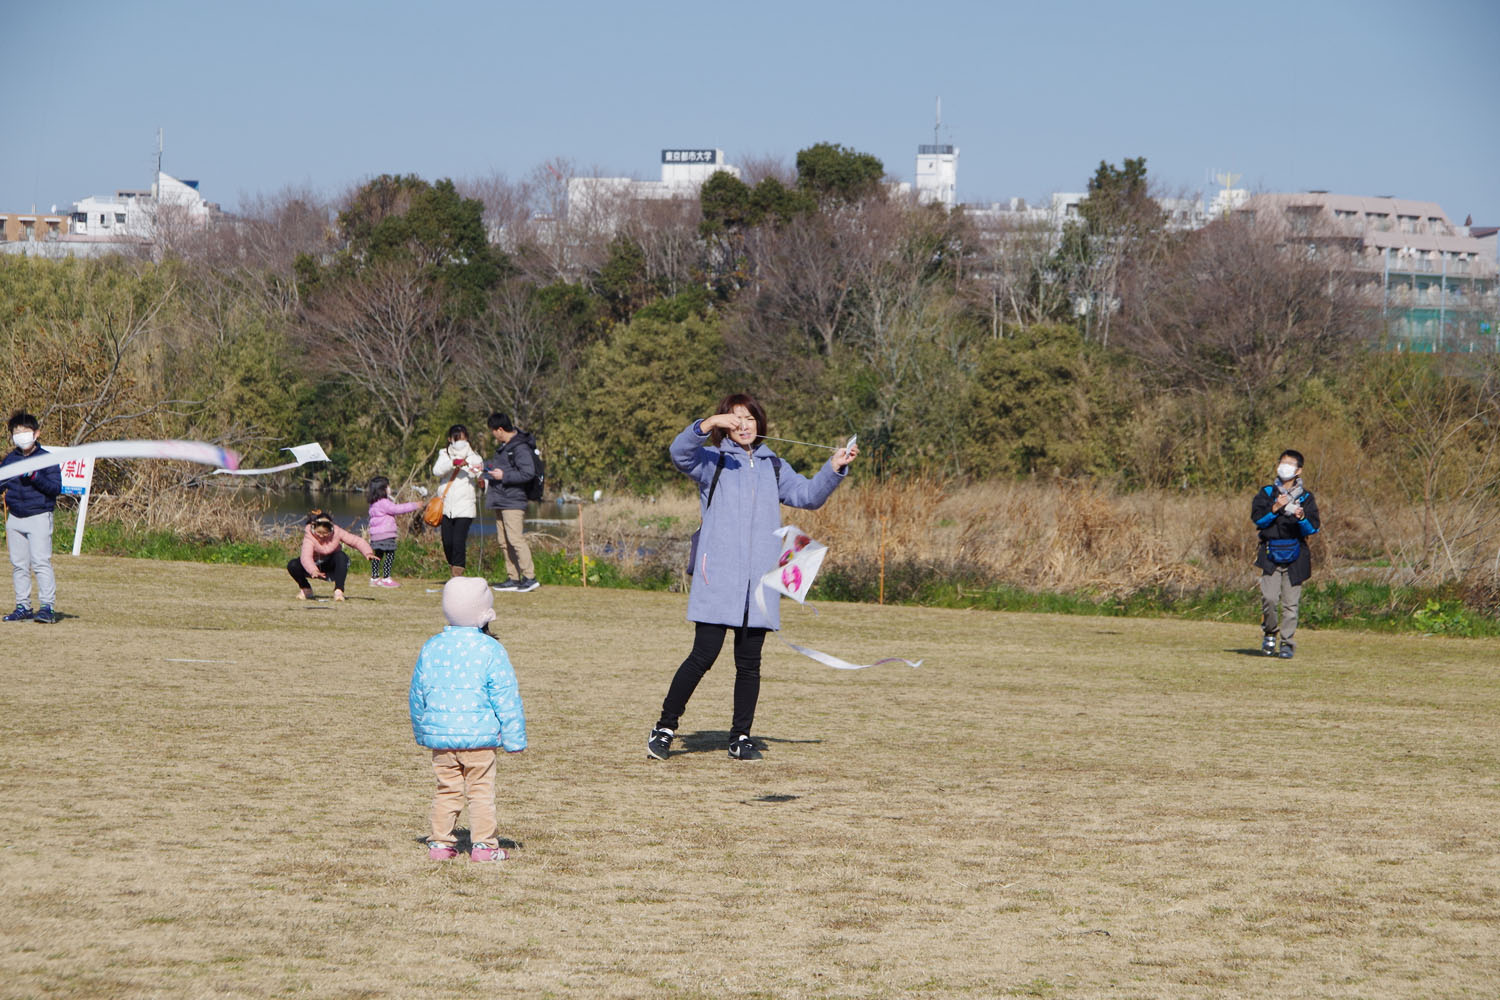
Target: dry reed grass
211,791
1045,536
168,496
1059,535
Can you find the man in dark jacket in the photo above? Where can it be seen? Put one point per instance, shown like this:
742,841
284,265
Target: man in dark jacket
30,499
1285,515
507,475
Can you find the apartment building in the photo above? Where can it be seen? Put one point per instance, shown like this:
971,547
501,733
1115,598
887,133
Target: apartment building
32,227
1434,283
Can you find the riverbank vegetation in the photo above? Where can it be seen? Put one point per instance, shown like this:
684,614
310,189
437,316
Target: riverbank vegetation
1062,418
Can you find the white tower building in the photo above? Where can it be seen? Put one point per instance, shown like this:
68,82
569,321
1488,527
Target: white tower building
937,175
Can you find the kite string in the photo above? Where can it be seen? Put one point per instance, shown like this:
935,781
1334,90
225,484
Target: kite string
826,447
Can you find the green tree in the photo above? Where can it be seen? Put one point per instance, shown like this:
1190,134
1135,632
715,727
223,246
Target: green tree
1119,200
633,394
622,278
832,171
1040,402
1122,226
726,204
729,204
391,311
405,219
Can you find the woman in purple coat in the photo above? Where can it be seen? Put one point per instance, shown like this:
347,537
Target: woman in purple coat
741,486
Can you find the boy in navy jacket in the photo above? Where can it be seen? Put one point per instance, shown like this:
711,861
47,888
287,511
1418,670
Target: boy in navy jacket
30,499
1286,515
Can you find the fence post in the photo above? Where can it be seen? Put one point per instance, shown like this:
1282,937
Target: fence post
583,552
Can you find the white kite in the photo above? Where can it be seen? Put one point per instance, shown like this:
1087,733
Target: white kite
801,558
178,451
303,453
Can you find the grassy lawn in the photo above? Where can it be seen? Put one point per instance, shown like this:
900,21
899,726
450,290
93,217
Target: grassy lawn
211,790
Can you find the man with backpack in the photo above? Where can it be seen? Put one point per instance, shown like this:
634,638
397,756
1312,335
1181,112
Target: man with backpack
1286,516
514,477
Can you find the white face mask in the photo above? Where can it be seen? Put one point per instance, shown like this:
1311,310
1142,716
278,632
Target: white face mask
24,439
1285,471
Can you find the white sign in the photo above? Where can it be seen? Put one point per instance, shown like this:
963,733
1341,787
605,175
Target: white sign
690,156
77,480
77,476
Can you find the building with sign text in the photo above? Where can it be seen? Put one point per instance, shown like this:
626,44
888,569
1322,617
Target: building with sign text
598,201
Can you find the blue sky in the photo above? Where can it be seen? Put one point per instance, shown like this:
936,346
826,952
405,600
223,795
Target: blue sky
1367,98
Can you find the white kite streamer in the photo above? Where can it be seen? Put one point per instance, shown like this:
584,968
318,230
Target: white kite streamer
178,451
303,453
801,558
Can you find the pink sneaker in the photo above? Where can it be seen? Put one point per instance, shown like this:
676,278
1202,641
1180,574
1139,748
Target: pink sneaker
440,852
388,582
486,853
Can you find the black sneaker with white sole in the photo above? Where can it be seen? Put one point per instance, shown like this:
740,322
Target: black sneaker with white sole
509,584
659,744
741,748
527,585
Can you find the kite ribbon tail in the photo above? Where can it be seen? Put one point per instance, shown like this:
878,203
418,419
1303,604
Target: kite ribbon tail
838,664
824,658
255,472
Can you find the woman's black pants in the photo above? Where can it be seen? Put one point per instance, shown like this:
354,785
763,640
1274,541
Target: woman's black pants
707,641
335,566
456,539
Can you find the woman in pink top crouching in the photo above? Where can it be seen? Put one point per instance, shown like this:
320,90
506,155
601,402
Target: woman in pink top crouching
323,556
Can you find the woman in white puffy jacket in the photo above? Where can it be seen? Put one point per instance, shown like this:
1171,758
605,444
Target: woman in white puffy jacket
458,468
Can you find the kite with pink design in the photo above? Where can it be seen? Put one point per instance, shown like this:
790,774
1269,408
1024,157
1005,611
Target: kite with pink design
801,558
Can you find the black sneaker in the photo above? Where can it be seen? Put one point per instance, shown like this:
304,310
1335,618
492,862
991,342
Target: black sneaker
1268,645
659,744
21,614
45,615
740,748
1286,652
527,585
509,584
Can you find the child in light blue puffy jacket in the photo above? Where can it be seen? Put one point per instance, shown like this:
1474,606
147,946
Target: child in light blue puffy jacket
464,703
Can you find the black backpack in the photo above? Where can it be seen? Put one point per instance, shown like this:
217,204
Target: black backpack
536,487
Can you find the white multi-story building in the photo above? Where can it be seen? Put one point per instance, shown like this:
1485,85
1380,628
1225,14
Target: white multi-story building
1016,214
138,215
683,171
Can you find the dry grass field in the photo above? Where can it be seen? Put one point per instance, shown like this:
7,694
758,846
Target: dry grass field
210,790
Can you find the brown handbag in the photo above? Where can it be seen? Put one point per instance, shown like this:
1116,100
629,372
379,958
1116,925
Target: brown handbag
433,512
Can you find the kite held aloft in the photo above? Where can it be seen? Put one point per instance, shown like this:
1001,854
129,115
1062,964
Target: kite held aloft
801,558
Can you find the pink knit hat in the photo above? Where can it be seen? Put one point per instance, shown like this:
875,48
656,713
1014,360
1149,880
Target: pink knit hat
468,601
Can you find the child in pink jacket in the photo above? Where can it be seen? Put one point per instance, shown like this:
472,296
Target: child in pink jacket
383,511
323,556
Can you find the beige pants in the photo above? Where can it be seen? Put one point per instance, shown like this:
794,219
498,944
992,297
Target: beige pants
1278,594
518,564
464,774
